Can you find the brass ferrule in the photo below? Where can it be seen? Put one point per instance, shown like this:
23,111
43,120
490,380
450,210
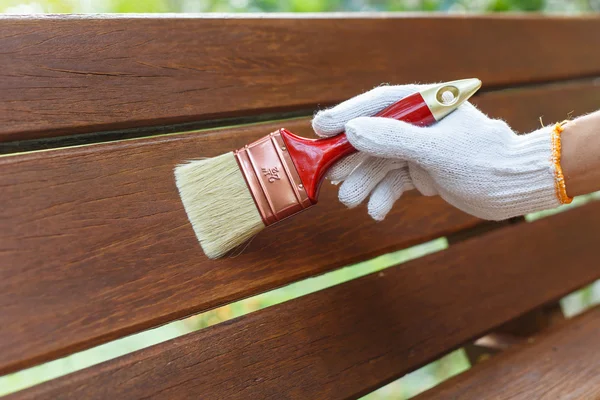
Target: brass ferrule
460,91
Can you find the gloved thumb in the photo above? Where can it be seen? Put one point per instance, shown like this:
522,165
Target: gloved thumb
389,138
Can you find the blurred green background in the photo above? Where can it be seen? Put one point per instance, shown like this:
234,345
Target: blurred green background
195,6
409,385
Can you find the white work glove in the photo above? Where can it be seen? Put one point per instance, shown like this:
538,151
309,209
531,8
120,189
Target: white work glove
475,163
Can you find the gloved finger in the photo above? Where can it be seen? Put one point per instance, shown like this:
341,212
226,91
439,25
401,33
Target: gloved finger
343,168
331,121
388,138
363,179
388,191
422,180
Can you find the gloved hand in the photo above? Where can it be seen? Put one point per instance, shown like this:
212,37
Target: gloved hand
475,163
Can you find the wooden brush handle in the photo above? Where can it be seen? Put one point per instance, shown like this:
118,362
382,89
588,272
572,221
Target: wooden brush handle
313,157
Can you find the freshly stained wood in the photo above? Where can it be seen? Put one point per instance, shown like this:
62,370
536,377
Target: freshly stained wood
345,341
562,364
513,332
65,75
95,245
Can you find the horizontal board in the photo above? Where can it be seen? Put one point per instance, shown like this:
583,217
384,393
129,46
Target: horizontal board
95,244
345,341
561,364
105,223
65,75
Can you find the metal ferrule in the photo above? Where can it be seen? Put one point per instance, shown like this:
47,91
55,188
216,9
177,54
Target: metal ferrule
459,92
272,178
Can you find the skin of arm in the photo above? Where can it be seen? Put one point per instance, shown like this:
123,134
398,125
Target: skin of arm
580,158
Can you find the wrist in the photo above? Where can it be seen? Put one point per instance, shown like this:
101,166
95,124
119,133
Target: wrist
541,152
514,175
535,178
580,155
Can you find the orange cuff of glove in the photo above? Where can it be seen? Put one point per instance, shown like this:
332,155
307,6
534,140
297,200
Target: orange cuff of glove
559,178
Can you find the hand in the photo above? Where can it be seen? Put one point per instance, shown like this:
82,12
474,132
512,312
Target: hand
475,163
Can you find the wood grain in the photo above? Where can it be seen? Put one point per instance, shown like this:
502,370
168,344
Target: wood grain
343,342
65,75
561,364
95,245
515,331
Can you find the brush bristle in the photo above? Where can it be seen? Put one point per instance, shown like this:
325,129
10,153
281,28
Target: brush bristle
218,203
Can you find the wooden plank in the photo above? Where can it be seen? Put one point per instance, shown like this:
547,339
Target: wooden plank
515,331
345,341
95,244
561,364
130,174
104,223
63,75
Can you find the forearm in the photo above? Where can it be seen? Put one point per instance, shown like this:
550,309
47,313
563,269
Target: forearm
580,159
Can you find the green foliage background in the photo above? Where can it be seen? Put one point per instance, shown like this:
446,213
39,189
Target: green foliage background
152,6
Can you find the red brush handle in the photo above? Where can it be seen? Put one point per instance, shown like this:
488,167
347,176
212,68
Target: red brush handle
313,157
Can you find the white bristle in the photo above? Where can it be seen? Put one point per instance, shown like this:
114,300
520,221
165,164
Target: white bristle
218,203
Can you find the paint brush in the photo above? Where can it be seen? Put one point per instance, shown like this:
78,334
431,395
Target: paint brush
232,197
